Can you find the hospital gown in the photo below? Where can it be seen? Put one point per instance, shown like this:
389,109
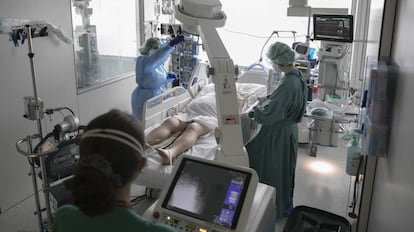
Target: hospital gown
202,110
273,152
151,76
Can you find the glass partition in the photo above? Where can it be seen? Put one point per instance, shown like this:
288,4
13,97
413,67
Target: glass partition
105,41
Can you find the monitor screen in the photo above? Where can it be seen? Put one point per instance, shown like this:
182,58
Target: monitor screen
338,28
208,192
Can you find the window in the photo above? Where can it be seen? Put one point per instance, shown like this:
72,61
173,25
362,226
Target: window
249,24
105,41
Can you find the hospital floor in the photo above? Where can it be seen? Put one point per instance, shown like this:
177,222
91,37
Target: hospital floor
321,182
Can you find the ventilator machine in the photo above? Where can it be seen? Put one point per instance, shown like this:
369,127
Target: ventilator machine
224,194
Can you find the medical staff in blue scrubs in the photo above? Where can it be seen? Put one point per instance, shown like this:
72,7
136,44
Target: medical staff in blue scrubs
273,152
150,73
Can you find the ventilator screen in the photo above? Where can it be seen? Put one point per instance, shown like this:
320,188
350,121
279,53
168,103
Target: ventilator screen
208,192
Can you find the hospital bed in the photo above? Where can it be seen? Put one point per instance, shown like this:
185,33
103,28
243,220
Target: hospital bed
250,85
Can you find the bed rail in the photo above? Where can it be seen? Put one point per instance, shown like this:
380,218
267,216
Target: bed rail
160,107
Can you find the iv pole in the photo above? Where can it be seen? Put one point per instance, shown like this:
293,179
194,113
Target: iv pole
32,71
35,112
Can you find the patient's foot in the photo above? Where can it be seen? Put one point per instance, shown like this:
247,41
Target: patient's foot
165,154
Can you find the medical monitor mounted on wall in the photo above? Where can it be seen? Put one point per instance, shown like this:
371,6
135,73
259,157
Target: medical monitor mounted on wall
337,28
204,194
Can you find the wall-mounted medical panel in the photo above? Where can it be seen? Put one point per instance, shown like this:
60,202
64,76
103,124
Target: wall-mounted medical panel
380,98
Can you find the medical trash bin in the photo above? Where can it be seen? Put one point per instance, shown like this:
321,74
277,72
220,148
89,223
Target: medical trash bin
308,219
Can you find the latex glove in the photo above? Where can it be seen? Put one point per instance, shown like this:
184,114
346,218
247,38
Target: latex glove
171,75
251,114
170,78
176,40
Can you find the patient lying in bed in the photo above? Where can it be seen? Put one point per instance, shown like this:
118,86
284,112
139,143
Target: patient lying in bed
200,119
190,132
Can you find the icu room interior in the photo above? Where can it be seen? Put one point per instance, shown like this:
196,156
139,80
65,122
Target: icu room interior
348,163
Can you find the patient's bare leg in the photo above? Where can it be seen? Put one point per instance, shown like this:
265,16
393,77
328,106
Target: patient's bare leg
165,130
184,142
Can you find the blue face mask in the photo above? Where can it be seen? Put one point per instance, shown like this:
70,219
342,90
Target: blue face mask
151,51
276,68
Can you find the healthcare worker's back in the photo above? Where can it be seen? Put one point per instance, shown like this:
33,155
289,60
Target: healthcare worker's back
150,73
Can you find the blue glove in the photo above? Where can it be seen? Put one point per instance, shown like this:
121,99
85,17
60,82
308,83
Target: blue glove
171,75
170,78
176,40
251,114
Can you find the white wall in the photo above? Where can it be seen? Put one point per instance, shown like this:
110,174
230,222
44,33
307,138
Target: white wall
116,95
54,64
393,197
55,82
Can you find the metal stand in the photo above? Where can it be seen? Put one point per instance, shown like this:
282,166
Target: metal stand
32,157
34,181
36,113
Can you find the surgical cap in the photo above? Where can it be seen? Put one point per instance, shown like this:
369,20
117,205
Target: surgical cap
149,44
281,54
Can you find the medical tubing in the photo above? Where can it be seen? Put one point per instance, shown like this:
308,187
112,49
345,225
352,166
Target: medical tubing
261,52
263,68
36,149
263,37
65,108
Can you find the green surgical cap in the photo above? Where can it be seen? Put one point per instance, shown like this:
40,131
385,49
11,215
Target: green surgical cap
281,54
149,44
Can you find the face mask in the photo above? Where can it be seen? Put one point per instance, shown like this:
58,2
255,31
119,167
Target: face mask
276,68
151,51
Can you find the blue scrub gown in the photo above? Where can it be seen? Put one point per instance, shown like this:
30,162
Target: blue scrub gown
150,76
273,152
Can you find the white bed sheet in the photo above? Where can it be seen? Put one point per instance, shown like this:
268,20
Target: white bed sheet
155,175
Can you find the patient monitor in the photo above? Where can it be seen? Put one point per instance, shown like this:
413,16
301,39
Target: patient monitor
336,34
205,195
